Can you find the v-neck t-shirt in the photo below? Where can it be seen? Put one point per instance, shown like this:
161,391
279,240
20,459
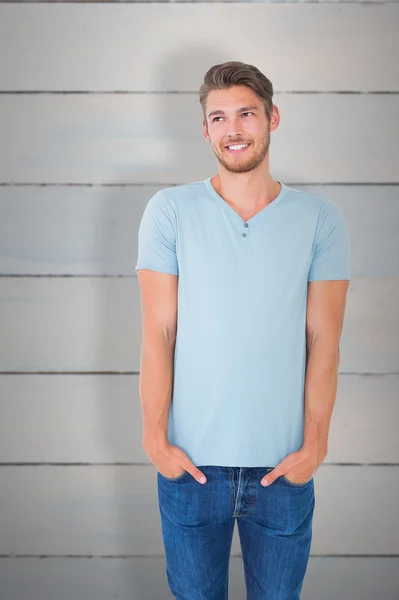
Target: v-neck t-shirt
240,352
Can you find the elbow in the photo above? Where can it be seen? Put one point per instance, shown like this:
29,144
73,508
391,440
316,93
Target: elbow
323,346
169,333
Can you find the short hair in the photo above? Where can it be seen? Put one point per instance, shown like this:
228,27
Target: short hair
232,73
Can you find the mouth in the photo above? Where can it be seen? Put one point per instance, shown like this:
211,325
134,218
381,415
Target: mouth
237,148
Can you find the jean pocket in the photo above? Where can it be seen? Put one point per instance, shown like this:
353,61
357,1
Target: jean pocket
173,478
293,484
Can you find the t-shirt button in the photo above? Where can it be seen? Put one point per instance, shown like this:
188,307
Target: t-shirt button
244,235
245,224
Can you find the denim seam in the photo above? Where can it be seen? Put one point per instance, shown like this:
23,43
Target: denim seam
232,488
175,478
297,485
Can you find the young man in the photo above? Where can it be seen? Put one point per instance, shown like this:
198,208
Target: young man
243,284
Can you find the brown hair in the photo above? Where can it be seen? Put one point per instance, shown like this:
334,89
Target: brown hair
234,72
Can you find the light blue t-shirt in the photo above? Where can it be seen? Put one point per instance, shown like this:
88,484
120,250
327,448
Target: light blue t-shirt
240,354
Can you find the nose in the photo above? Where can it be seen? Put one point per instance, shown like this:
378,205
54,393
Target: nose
235,128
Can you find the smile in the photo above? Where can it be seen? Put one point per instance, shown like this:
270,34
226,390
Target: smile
237,148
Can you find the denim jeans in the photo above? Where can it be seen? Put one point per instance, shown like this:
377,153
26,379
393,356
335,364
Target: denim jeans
274,525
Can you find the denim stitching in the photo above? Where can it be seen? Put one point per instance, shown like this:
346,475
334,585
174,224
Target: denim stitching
232,489
252,498
297,485
175,478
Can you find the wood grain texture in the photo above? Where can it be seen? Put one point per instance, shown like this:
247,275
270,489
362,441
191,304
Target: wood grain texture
94,324
168,46
157,138
332,578
113,510
92,230
98,419
314,53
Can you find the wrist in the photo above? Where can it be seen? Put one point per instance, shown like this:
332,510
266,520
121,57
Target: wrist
315,448
155,440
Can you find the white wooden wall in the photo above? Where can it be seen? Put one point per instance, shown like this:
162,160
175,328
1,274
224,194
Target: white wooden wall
98,110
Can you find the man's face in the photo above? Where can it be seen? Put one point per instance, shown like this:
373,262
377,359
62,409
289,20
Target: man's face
237,123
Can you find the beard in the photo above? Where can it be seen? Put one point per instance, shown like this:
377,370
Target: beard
247,161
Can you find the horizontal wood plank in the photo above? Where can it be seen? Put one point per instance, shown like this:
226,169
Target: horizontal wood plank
98,419
113,510
370,337
100,47
152,137
92,230
70,324
335,578
94,324
158,138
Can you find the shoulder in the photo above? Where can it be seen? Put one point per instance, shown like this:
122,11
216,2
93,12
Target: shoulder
186,202
160,207
319,206
181,194
307,199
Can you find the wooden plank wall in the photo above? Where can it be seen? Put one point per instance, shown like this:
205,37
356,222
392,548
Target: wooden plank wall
98,110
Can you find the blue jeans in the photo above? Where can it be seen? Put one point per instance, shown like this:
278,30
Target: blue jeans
274,525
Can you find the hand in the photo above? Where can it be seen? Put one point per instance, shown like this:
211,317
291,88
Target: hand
171,461
299,466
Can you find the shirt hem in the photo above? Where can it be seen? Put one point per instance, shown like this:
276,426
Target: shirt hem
158,268
236,462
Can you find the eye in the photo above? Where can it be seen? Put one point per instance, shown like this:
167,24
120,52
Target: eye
249,112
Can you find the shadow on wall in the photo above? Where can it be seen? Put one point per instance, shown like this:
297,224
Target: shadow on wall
181,71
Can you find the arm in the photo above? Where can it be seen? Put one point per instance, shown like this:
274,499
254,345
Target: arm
158,273
159,321
324,321
328,282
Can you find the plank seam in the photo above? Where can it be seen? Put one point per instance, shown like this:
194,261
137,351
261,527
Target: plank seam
158,183
355,373
379,2
191,92
129,556
139,464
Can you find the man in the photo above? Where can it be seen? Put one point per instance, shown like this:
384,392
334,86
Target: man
243,284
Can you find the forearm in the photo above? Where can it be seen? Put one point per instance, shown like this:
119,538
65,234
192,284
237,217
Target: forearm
321,381
156,385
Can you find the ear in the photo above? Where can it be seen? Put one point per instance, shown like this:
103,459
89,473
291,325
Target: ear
274,118
205,131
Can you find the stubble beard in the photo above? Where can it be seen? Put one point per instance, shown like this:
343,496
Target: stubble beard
239,164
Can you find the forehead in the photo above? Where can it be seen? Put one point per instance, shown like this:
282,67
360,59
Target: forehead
231,100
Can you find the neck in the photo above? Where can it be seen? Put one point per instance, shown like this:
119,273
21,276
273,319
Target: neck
245,192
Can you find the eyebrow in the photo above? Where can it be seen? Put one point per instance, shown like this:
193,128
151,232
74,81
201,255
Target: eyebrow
220,112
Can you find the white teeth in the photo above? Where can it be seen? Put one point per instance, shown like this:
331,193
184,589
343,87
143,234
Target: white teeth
238,147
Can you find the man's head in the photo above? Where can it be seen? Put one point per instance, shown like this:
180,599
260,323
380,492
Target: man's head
237,107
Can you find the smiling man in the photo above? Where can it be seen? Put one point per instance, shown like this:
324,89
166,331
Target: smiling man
243,284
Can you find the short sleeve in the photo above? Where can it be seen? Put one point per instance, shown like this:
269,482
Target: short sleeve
157,237
331,257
